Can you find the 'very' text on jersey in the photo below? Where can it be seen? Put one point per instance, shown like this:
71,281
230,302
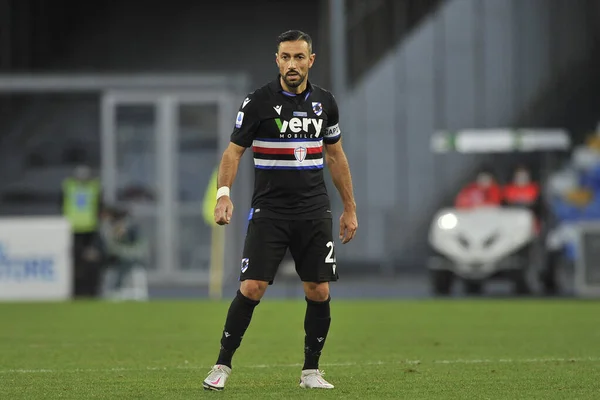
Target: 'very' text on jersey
300,126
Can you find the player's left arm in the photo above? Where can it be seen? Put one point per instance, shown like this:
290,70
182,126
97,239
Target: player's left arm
338,165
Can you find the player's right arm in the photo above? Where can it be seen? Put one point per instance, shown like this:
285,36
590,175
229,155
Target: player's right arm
246,125
227,172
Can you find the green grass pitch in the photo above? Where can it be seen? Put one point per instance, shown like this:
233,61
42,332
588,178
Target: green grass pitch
417,349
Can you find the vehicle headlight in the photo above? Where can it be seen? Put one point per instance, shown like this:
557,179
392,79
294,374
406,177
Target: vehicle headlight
447,221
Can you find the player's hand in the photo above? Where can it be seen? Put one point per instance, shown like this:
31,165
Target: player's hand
223,210
348,226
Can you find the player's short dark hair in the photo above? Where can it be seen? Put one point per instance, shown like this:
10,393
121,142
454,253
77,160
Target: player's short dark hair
294,35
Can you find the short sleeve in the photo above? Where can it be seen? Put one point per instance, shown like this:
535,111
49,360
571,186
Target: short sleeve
246,123
332,130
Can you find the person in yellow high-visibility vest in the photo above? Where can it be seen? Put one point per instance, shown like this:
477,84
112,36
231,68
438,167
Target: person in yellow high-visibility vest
210,199
81,204
217,237
81,201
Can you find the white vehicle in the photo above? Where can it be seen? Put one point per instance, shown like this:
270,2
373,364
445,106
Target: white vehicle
476,245
480,244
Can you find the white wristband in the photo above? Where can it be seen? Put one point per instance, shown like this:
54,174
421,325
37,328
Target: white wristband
223,191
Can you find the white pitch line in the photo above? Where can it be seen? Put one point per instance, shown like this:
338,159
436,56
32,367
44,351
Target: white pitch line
344,364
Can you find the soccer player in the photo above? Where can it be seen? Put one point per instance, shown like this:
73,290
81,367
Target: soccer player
292,127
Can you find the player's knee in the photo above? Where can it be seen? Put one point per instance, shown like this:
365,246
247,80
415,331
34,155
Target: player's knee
253,290
316,291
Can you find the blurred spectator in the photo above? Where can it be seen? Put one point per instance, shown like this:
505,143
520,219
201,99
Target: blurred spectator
136,193
523,192
210,199
81,202
485,191
126,249
574,197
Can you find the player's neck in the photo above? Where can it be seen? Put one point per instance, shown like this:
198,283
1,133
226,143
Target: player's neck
296,90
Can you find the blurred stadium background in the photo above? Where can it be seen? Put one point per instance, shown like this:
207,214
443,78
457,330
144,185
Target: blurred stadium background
145,95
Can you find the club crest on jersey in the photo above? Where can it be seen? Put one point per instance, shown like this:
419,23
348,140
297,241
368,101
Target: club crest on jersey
317,108
300,153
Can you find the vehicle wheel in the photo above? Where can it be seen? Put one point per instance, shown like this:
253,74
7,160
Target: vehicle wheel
520,284
549,285
525,256
441,282
518,277
473,287
548,277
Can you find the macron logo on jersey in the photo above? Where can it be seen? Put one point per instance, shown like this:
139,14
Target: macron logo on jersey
297,125
246,101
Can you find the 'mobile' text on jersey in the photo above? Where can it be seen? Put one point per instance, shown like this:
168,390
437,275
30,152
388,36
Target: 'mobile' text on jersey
286,132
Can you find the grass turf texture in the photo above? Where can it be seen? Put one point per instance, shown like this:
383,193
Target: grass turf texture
456,349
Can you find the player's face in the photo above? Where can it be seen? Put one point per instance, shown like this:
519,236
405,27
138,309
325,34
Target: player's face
294,60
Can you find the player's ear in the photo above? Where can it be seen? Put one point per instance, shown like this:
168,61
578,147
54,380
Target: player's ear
311,60
277,59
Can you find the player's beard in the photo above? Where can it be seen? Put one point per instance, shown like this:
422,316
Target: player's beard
296,83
